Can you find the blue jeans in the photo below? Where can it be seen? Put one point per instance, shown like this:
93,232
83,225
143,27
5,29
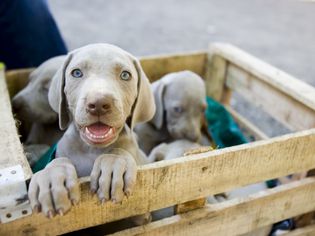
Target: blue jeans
28,33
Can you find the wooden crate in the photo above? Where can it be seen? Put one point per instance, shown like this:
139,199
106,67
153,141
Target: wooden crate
162,184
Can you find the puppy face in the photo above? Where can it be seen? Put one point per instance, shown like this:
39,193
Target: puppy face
180,104
100,87
31,103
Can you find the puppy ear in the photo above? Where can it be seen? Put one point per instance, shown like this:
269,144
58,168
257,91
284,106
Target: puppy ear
144,107
57,97
158,88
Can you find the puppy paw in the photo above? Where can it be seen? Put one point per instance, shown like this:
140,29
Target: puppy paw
54,189
113,177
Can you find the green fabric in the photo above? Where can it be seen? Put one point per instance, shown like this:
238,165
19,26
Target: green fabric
221,126
223,129
45,159
1,66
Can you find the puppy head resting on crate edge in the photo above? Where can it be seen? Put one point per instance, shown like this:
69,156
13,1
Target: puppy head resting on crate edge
100,87
180,104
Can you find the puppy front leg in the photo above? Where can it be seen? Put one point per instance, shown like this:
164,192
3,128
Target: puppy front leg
54,189
114,175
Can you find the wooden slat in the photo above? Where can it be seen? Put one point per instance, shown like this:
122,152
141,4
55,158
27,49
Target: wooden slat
11,150
157,66
215,76
305,231
283,107
237,216
17,80
191,205
300,91
287,99
247,127
172,182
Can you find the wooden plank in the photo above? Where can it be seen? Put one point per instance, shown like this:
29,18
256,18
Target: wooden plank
11,150
167,183
157,66
238,216
300,91
215,76
305,231
191,205
17,80
284,107
246,126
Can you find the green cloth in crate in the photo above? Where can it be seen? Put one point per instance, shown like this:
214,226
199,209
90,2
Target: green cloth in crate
221,126
223,129
45,159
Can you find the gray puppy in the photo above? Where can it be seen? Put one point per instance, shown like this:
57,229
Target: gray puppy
99,93
180,102
31,104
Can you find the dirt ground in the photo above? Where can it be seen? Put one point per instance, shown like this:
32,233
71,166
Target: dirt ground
280,32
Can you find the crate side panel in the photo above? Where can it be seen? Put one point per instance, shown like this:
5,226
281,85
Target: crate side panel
11,150
280,105
157,66
168,183
300,91
238,216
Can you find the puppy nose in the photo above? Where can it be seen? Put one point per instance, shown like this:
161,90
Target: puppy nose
99,107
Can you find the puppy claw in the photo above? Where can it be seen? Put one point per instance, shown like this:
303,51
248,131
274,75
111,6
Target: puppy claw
74,202
127,193
115,201
50,214
93,191
103,201
60,212
36,208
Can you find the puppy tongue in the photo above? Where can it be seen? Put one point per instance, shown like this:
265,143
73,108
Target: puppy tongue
98,129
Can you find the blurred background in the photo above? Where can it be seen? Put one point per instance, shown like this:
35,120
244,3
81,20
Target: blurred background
281,32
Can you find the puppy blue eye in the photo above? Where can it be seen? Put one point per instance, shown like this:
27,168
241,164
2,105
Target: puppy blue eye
178,109
125,75
76,73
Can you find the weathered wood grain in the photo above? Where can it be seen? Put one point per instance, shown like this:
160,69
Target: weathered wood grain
286,98
286,83
157,66
215,76
305,231
246,126
11,150
282,106
172,182
237,216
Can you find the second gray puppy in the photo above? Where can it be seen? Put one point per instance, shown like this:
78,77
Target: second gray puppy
31,104
180,100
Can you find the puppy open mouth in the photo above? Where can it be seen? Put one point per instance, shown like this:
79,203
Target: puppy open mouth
99,133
